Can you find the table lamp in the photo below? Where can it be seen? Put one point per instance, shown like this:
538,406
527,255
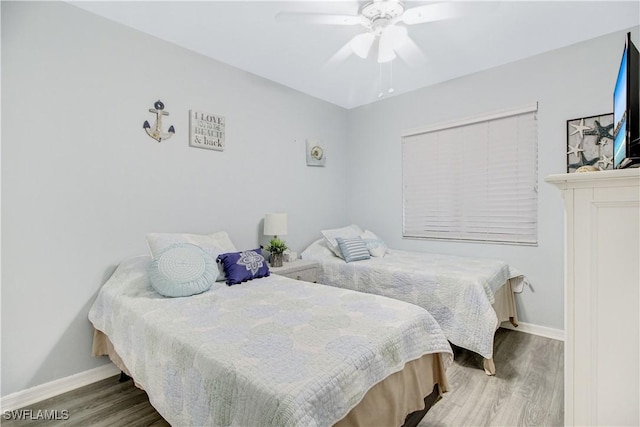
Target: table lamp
275,224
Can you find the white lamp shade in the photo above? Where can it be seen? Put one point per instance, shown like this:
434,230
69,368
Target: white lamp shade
275,224
386,45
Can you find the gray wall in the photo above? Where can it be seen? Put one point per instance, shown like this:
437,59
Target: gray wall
82,183
569,83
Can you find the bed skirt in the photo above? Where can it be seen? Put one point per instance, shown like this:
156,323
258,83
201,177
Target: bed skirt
505,304
399,397
505,308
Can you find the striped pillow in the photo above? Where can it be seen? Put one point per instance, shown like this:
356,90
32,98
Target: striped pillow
353,249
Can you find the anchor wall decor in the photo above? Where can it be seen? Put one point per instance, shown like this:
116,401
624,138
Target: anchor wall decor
156,132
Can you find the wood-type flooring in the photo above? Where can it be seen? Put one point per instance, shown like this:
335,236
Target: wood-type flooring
526,391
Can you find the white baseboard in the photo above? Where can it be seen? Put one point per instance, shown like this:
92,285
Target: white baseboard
44,391
530,328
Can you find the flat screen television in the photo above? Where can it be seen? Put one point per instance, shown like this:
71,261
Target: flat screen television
626,109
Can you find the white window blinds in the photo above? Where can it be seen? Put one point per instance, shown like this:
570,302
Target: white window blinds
473,180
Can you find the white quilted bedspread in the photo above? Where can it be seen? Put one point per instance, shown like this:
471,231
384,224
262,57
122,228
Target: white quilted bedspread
457,291
269,352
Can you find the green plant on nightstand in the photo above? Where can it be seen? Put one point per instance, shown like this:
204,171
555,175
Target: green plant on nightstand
276,247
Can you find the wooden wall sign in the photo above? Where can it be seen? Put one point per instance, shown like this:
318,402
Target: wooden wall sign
206,130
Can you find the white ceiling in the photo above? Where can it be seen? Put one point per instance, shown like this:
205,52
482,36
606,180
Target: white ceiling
308,57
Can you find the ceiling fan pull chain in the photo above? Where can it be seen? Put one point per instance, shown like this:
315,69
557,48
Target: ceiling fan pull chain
391,89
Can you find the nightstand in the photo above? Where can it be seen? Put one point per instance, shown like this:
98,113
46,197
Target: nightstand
299,269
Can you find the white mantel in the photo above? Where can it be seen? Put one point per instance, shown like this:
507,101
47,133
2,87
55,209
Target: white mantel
606,178
602,296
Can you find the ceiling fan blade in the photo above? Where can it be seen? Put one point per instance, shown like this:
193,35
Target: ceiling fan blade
411,53
442,11
319,18
361,44
338,58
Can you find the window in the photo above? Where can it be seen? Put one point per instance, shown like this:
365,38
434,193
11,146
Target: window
473,180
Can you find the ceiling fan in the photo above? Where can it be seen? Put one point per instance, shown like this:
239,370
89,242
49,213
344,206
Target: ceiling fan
381,19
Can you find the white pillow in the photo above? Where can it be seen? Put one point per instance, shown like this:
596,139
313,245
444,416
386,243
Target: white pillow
318,251
214,244
374,244
347,232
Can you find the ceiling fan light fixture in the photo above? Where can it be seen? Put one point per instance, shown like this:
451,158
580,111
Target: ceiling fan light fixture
398,36
380,17
386,56
387,9
361,44
387,43
385,52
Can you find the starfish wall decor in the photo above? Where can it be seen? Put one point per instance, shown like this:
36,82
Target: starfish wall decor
590,142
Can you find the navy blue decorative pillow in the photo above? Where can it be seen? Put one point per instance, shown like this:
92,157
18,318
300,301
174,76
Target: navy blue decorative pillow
242,266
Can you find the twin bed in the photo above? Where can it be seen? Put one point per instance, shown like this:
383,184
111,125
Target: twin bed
469,297
277,351
272,351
